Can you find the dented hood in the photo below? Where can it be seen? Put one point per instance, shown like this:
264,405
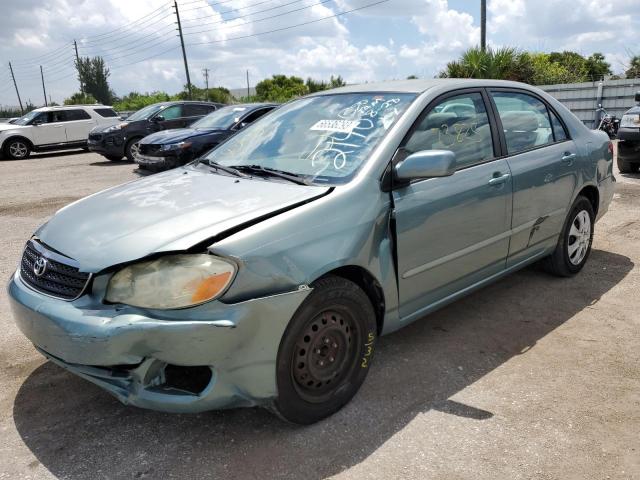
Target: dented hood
171,211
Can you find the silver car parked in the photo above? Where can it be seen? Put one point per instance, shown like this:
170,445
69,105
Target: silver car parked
264,272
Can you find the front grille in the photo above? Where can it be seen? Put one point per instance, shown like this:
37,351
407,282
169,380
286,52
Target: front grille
96,137
146,149
57,279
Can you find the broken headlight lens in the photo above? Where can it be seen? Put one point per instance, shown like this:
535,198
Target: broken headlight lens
172,281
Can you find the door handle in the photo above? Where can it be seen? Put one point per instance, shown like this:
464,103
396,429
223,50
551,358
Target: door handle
499,180
568,158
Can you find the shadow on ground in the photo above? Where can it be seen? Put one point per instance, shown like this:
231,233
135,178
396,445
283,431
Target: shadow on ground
77,431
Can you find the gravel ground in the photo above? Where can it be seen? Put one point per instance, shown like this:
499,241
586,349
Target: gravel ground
533,377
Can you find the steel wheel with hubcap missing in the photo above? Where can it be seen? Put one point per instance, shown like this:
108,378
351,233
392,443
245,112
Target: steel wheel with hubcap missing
325,352
17,149
574,242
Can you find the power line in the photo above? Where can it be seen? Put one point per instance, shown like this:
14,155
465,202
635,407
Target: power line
85,42
291,26
262,19
120,49
130,24
241,8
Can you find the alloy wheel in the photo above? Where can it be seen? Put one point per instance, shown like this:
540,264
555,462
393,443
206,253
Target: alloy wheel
18,149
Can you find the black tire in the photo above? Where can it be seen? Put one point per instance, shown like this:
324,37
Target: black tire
572,251
325,352
130,147
627,167
17,149
113,158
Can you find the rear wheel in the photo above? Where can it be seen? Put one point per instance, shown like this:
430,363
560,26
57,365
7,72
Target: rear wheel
131,149
326,351
574,244
113,158
17,149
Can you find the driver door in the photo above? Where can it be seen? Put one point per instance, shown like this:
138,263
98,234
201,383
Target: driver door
51,130
452,232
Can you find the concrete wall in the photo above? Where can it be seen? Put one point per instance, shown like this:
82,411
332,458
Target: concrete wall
616,96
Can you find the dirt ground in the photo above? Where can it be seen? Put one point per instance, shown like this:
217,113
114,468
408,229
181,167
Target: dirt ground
534,377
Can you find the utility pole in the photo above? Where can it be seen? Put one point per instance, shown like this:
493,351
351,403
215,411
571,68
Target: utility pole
184,52
483,25
16,85
205,72
248,90
75,44
44,90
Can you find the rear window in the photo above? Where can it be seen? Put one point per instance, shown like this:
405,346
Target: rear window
105,112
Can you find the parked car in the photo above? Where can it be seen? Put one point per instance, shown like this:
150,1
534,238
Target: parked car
171,148
264,273
629,140
53,128
121,140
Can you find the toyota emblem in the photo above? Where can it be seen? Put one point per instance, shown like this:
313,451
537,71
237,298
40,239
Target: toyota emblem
40,266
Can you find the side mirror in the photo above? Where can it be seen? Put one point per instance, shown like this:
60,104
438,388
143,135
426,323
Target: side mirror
637,96
426,164
158,118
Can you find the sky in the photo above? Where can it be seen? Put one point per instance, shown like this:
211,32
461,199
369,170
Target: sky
361,40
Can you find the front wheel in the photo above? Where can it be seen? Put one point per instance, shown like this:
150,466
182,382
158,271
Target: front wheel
326,351
574,244
17,149
131,149
113,158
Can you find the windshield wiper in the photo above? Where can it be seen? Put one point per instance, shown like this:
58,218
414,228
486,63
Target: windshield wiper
259,169
233,171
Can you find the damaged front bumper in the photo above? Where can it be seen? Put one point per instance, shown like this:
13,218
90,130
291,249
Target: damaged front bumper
212,356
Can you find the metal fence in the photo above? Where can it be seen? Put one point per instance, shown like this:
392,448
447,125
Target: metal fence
616,96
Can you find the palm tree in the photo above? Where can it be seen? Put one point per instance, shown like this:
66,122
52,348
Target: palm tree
634,68
503,63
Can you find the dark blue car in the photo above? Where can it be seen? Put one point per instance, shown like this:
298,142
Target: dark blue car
171,148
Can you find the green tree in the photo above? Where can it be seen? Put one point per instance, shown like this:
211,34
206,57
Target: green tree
318,86
503,63
634,68
93,76
574,63
80,98
280,88
136,101
217,94
544,71
597,66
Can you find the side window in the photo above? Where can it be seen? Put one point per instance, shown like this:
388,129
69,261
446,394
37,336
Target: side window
525,121
559,132
174,111
191,110
459,124
105,112
77,115
253,116
41,118
57,116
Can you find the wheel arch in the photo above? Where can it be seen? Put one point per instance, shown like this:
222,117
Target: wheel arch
593,195
14,137
368,283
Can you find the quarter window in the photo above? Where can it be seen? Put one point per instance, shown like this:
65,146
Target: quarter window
105,112
558,130
191,110
525,121
459,124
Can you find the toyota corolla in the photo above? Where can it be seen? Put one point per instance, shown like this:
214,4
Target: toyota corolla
264,272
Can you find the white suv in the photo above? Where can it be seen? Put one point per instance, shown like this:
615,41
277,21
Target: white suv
53,128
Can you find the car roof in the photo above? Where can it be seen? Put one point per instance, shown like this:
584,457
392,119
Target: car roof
251,105
421,85
67,107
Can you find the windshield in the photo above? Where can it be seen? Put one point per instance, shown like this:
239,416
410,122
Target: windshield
222,118
325,138
25,119
145,113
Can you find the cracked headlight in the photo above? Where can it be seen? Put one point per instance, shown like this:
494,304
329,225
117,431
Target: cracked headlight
172,281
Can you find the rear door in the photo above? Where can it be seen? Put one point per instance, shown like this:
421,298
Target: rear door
171,117
78,124
452,232
542,160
